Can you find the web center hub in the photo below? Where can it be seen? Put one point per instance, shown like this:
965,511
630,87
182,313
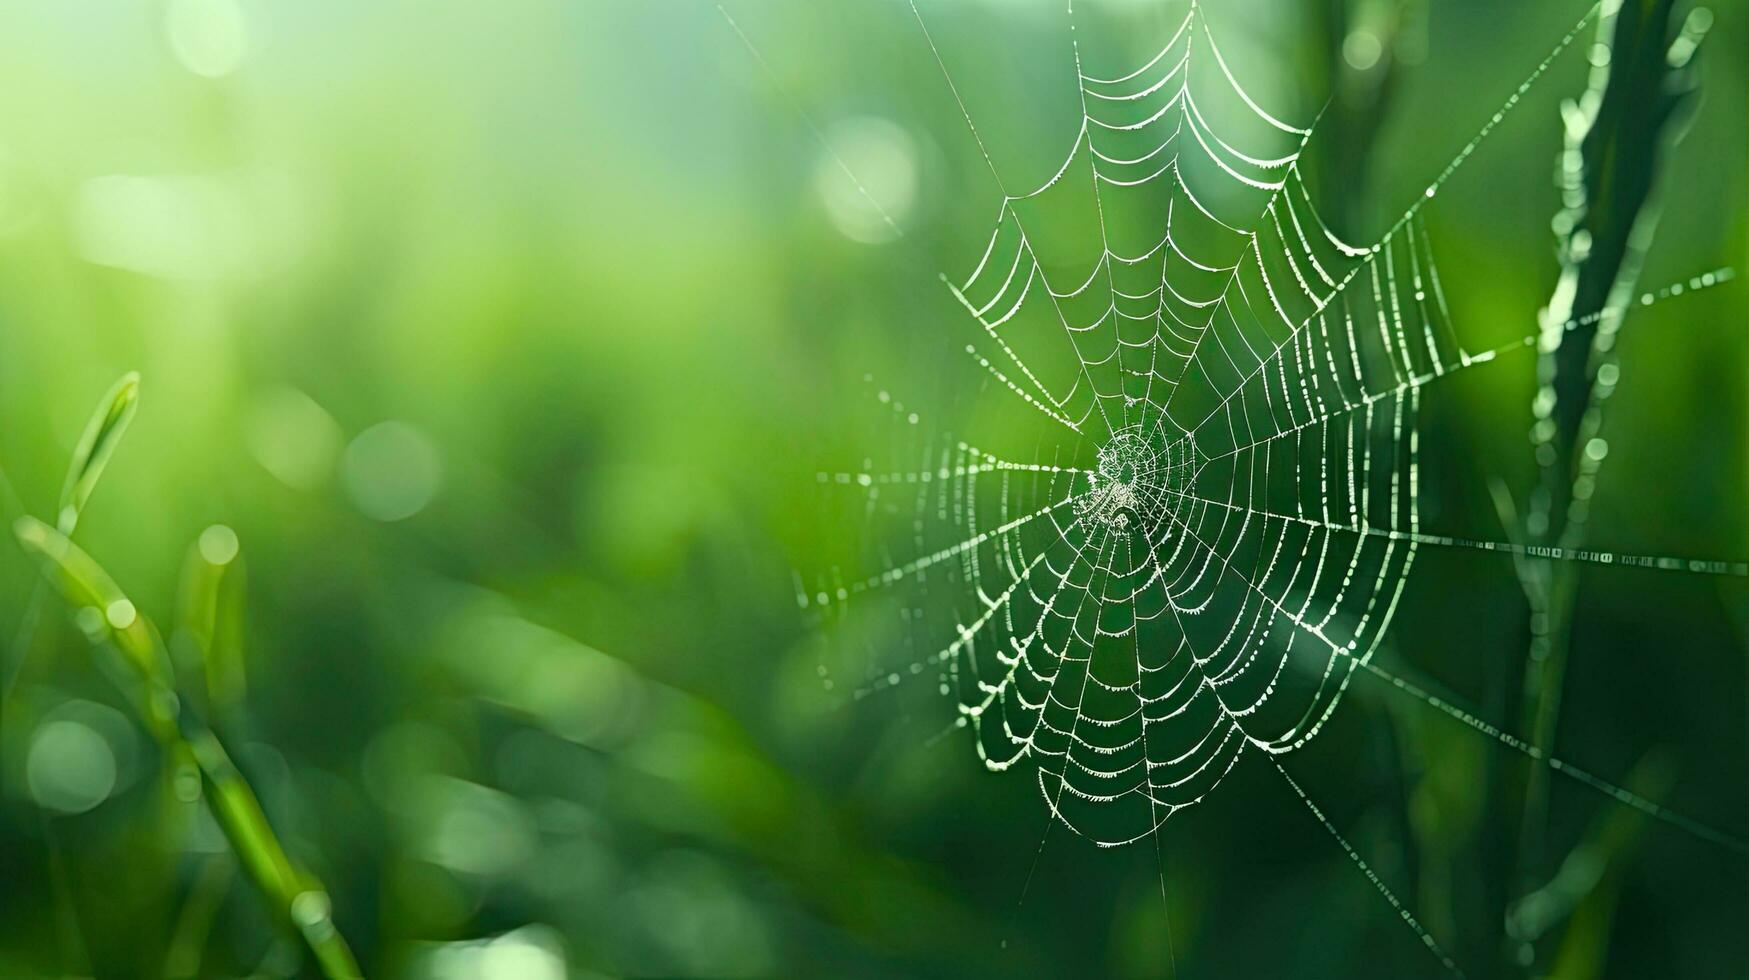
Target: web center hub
1136,480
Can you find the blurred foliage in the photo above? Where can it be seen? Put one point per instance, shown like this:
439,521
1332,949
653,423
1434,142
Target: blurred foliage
506,340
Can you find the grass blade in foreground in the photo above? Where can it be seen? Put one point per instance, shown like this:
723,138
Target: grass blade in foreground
106,614
109,618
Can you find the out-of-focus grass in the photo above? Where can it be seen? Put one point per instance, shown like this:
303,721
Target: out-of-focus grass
561,715
200,767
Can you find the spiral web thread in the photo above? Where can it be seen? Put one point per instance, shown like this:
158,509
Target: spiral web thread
1232,556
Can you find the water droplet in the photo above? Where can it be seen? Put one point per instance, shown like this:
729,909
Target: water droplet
391,471
218,545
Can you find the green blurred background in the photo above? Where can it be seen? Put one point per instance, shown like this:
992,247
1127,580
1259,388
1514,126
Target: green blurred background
509,339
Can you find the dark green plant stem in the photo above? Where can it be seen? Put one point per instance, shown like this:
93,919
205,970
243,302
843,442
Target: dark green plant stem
73,947
195,920
1348,130
1349,127
1616,132
18,650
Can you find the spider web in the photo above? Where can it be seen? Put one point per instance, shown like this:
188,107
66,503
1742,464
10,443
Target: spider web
1241,390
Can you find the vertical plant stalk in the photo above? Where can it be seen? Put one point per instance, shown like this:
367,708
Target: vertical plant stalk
194,922
1641,79
1361,95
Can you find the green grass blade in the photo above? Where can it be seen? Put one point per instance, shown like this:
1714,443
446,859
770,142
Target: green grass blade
104,611
208,639
102,434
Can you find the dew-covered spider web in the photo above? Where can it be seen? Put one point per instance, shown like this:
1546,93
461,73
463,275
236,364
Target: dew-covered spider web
1208,549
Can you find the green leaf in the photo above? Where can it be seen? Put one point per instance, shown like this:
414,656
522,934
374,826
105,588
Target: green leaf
208,638
96,446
